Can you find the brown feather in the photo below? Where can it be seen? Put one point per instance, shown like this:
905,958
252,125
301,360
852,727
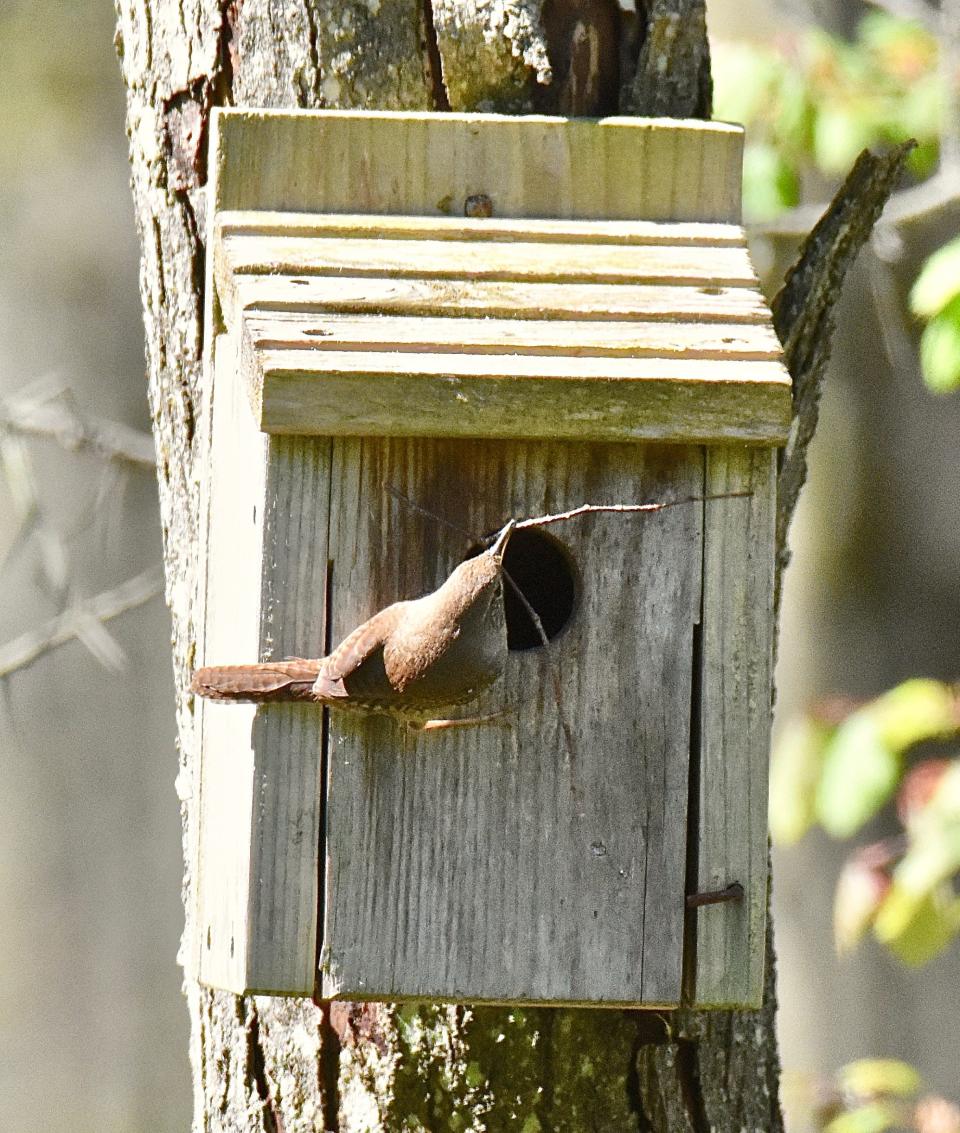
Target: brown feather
359,645
291,679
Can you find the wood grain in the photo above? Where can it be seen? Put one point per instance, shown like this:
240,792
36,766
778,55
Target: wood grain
458,864
260,771
735,722
349,393
467,299
494,260
258,222
353,162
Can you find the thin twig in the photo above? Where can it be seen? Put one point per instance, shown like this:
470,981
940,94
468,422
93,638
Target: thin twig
77,621
619,509
557,684
107,439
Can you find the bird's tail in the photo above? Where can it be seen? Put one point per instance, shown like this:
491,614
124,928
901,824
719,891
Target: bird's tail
272,681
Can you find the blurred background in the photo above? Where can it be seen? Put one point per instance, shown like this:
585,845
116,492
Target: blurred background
92,1026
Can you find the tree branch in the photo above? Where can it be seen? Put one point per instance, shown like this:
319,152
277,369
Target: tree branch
803,312
106,439
80,620
919,202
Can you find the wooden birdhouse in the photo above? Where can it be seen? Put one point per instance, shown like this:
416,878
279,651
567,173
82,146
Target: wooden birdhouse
419,326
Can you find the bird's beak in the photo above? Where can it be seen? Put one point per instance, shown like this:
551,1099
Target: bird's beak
498,548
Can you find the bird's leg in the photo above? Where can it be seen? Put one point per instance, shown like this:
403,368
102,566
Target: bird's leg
504,715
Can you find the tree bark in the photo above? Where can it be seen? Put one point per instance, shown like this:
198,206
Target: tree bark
262,1064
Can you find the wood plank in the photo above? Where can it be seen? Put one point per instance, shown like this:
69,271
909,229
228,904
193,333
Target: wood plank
549,301
343,393
572,338
689,234
427,164
735,725
235,471
257,886
459,864
495,261
284,876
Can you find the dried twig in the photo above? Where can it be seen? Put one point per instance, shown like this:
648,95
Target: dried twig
619,509
58,422
83,620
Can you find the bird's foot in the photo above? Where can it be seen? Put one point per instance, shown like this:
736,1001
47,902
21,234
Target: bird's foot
506,715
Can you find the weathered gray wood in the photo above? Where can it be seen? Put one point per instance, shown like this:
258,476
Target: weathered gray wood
719,342
425,375
425,297
735,717
260,772
458,861
344,161
691,233
345,393
496,260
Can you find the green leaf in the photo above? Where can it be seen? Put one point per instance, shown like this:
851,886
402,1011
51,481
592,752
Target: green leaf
875,1117
839,134
938,282
770,184
915,932
868,1077
860,772
862,761
918,709
794,773
940,349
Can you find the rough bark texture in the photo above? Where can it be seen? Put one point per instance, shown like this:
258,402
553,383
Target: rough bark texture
279,1065
803,311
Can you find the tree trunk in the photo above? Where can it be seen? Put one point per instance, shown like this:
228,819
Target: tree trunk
263,1064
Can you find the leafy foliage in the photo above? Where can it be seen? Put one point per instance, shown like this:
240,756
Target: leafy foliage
837,768
874,1095
811,103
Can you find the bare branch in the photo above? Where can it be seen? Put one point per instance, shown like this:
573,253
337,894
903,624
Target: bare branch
803,311
919,202
106,439
82,620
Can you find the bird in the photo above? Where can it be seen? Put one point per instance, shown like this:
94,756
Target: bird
411,658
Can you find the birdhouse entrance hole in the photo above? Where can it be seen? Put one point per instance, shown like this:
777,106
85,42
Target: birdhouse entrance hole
542,569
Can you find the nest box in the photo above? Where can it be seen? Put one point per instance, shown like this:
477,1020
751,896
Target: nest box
420,325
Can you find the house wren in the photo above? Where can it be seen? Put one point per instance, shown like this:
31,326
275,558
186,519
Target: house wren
411,658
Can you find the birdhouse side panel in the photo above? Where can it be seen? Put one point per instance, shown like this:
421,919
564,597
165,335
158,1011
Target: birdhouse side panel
288,738
736,710
257,891
538,855
232,527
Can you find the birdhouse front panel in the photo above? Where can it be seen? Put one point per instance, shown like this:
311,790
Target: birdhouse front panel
540,853
426,326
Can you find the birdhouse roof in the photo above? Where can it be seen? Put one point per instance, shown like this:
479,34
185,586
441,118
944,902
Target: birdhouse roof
381,323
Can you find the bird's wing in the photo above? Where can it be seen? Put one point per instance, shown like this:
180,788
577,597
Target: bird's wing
355,648
408,656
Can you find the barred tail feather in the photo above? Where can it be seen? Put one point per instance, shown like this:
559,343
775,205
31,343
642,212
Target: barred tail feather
272,681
